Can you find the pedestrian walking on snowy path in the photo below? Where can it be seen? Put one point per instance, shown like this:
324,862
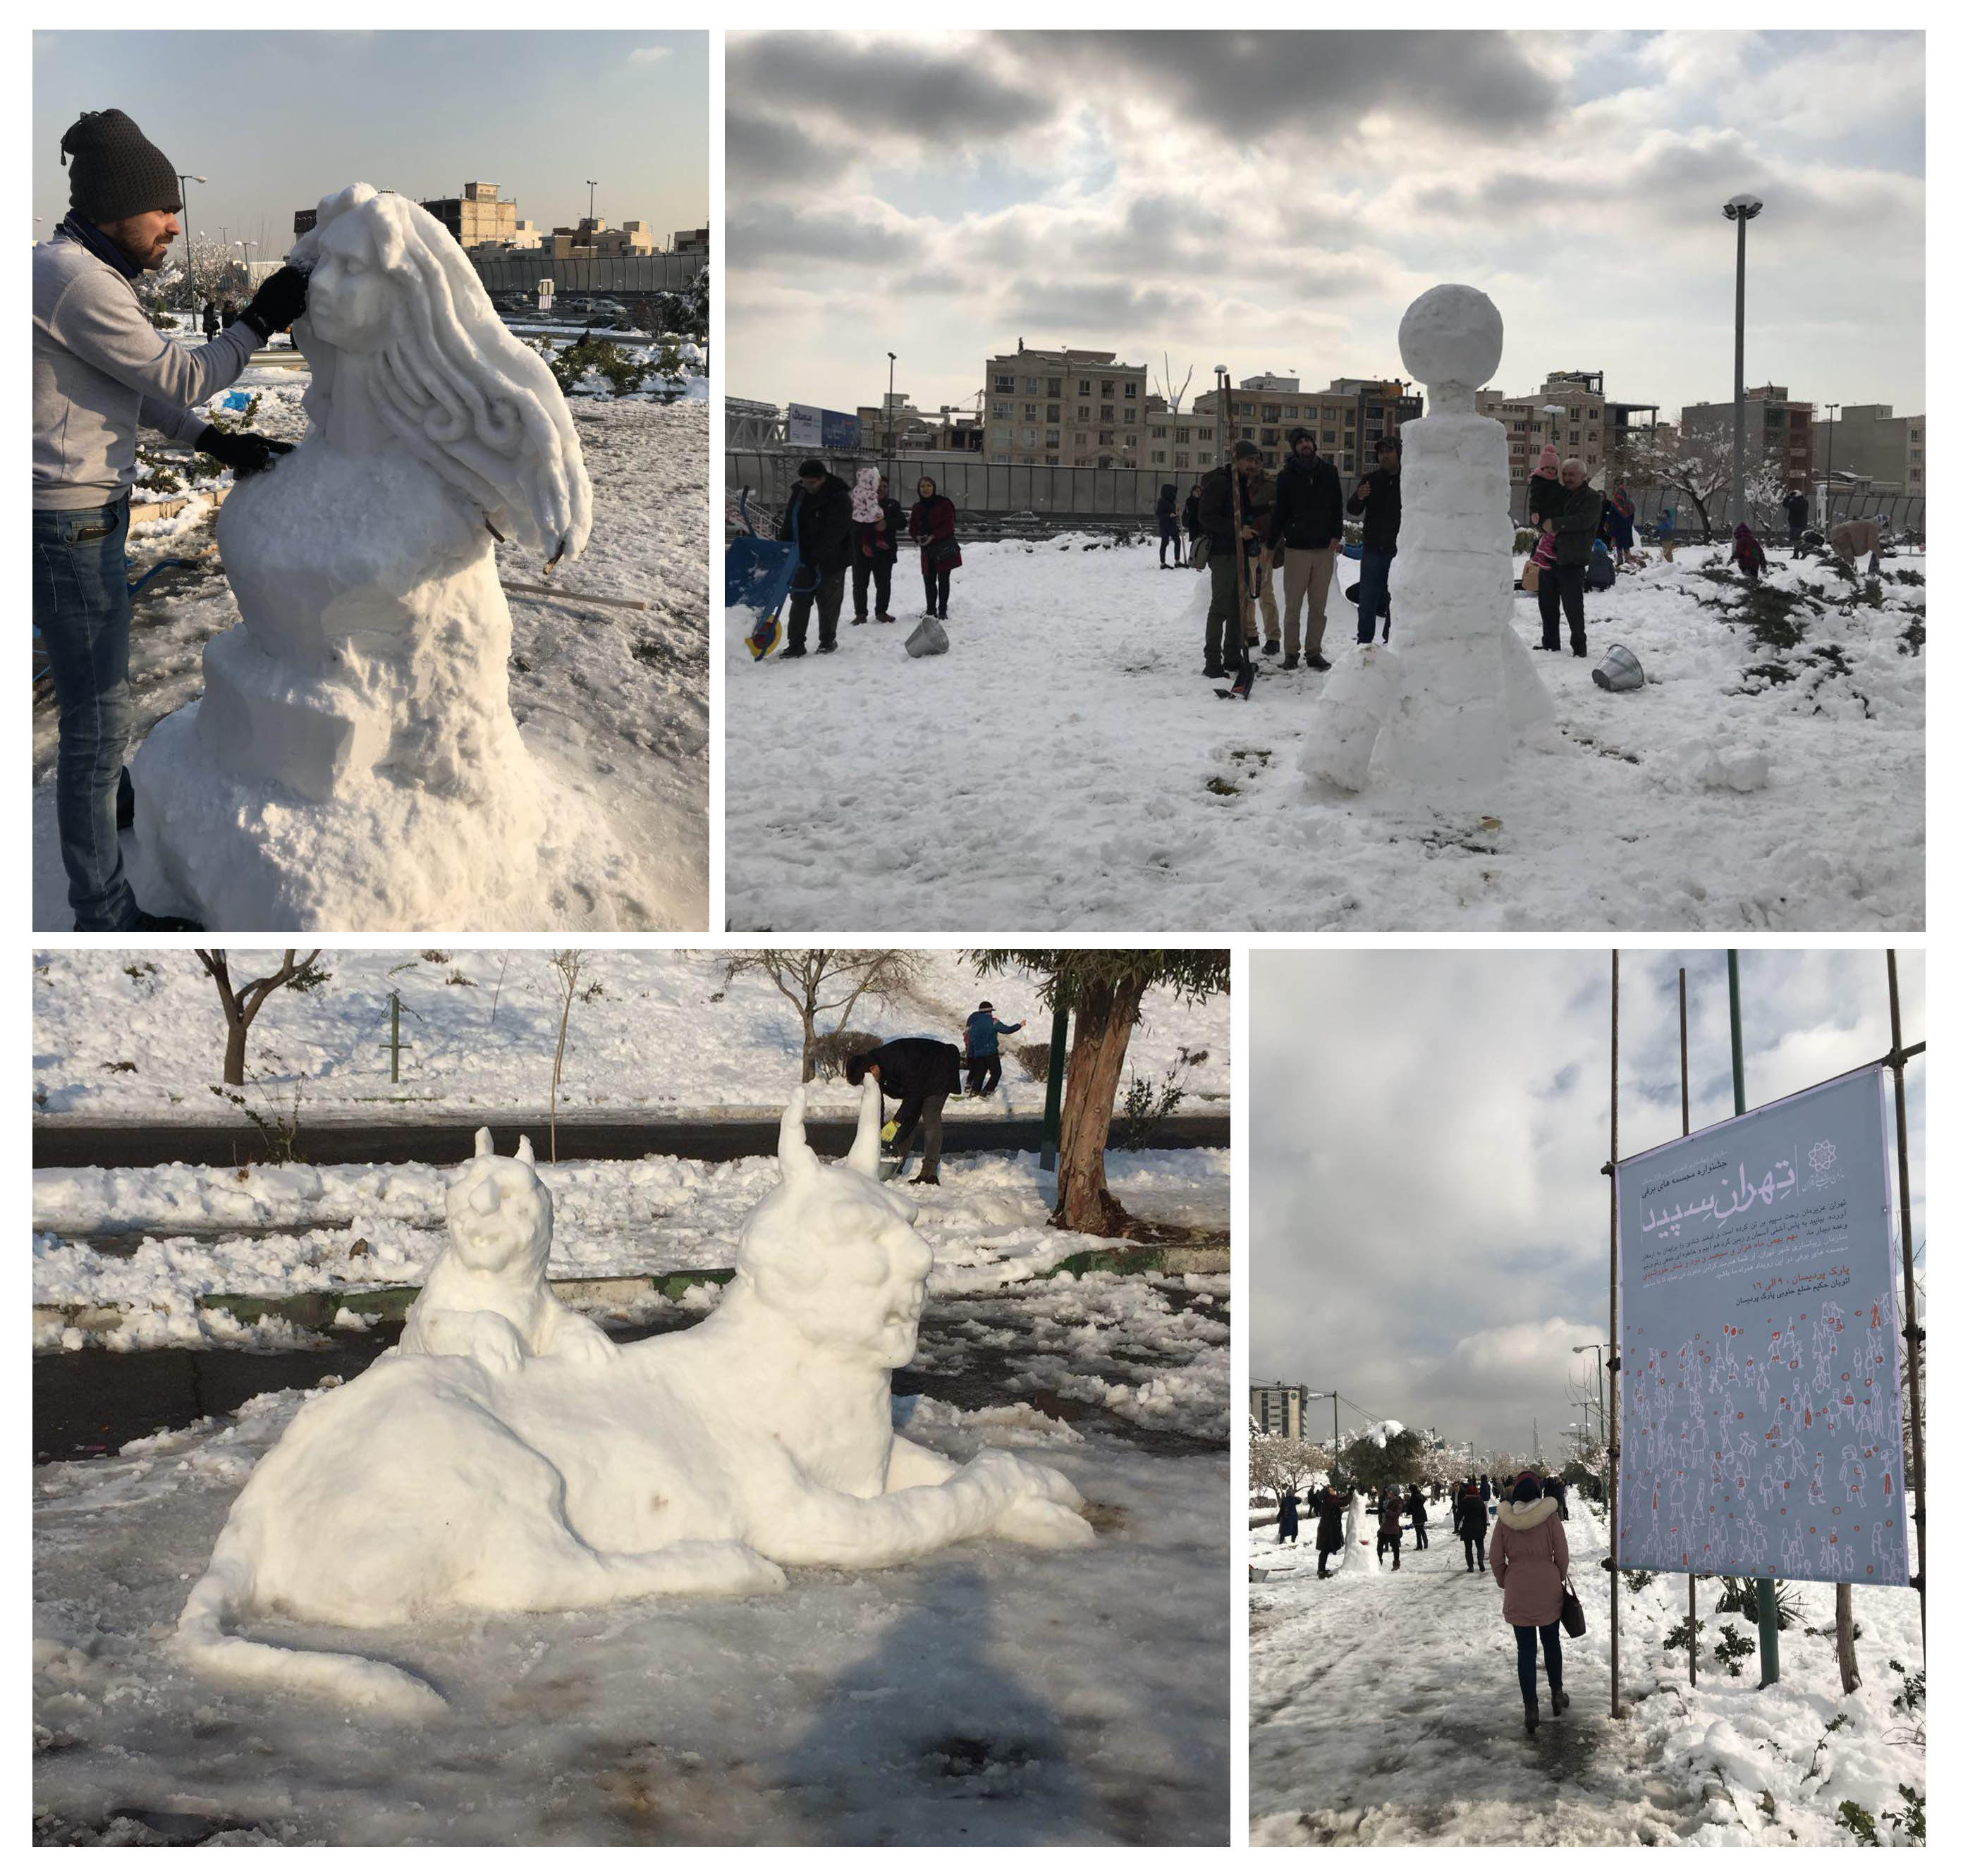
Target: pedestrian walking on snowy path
1794,505
1557,1488
1472,1524
920,1073
1329,1533
1304,535
1418,1516
1485,1490
1166,513
1288,1523
1572,521
1390,1525
877,517
932,524
102,373
1377,499
1530,1564
985,1049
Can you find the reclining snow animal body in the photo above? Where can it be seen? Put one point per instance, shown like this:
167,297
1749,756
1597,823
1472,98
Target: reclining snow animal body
486,1296
697,1461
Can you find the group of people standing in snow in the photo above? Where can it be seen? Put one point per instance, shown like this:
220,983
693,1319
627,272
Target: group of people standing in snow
838,530
1529,1556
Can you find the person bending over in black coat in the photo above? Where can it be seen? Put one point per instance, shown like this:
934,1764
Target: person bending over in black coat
919,1074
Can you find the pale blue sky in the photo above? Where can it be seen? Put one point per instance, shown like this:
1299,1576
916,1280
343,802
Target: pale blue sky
276,119
1429,1221
1272,200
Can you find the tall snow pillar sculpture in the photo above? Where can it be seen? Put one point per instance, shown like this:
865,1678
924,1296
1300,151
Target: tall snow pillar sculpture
353,762
1444,710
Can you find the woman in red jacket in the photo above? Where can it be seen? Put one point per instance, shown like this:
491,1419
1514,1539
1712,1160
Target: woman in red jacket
1529,1558
932,524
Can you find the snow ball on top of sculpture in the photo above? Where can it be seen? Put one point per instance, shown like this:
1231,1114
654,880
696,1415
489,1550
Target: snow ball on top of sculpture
398,328
1450,339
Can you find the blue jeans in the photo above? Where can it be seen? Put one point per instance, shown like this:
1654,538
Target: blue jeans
1550,1642
81,610
1373,594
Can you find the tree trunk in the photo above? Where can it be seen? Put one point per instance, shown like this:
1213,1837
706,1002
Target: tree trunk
808,1067
1843,1636
1105,1018
234,1051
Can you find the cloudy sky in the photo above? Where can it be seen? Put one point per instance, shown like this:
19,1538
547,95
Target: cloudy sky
277,120
1429,1221
1271,201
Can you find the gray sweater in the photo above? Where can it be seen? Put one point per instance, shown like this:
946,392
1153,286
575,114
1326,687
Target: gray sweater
101,369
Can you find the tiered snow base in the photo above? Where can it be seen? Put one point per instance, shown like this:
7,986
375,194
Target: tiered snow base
354,763
1446,708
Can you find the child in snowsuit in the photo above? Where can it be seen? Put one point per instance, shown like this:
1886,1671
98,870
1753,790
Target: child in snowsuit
1746,554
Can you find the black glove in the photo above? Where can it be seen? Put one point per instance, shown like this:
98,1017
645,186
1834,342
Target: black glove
281,300
244,452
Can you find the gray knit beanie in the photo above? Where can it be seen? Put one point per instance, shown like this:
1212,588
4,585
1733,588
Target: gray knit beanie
117,171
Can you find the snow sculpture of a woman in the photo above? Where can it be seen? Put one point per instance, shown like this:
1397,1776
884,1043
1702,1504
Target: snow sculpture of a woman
490,1465
1445,709
353,762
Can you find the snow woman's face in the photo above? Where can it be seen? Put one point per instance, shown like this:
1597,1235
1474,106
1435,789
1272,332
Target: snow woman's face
350,296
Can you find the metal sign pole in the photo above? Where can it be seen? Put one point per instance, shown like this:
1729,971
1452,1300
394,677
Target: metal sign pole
1762,1589
1912,1332
1683,1080
1614,1331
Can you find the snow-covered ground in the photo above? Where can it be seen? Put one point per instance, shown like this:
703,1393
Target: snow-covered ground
1067,766
615,702
1386,1709
991,1694
152,1241
140,1035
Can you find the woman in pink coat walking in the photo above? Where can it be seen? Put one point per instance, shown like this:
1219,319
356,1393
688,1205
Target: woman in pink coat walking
1530,1555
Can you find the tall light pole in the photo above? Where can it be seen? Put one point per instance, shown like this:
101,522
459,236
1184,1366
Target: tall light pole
1740,209
1224,416
590,185
190,269
892,359
1827,499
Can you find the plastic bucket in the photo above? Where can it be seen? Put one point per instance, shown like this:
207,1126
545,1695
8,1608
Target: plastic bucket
927,639
1618,670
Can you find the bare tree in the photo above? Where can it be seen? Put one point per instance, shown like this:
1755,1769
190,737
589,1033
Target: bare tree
1173,398
243,1003
1103,991
818,983
567,967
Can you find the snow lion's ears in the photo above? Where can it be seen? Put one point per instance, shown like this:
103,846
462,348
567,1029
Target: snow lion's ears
864,1156
795,1159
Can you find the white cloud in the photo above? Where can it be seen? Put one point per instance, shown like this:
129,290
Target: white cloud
649,55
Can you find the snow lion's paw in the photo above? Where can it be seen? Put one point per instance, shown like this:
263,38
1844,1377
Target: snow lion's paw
1046,1526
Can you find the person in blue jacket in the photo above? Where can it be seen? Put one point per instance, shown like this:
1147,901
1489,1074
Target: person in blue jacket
984,1051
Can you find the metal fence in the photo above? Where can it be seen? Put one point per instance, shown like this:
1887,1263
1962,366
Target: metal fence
631,274
982,488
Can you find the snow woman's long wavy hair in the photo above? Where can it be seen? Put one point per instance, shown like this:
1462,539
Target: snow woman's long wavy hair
448,380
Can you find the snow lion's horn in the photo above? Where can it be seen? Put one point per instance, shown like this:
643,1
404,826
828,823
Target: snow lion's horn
864,1156
484,1150
794,1158
524,1155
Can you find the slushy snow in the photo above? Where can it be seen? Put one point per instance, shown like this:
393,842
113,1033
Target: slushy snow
353,761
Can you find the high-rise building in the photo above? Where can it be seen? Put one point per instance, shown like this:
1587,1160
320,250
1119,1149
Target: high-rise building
1347,420
1275,1407
1068,409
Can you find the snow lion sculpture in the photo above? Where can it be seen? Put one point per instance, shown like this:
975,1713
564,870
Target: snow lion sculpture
353,762
698,1462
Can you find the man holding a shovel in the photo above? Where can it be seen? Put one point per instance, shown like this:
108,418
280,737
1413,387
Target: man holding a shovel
101,372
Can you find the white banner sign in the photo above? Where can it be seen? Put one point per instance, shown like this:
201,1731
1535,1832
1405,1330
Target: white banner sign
1761,1383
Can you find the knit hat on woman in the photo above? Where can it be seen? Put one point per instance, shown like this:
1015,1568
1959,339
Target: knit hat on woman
1549,464
866,495
116,172
1526,1488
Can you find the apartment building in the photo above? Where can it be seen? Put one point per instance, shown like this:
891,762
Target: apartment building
1569,411
1069,409
1347,420
477,218
1778,431
1275,1408
911,430
1870,441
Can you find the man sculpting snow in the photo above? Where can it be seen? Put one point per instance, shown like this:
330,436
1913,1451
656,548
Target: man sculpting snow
512,1465
353,762
1444,710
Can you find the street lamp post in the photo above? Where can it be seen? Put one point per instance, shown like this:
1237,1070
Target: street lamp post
1827,499
892,359
1740,209
590,185
191,267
